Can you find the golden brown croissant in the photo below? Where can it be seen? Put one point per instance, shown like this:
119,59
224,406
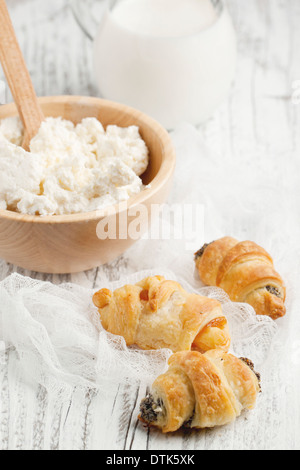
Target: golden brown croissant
200,391
156,313
246,272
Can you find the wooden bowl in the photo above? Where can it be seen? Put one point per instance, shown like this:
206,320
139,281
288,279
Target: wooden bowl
69,243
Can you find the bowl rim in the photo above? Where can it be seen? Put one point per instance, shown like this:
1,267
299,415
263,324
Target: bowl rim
164,174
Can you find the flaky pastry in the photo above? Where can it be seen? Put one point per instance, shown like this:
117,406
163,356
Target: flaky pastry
246,272
200,391
156,313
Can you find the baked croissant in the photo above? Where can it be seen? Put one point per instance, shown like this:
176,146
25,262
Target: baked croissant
246,272
200,391
156,313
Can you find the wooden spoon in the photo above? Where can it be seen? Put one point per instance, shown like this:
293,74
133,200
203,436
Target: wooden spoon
18,78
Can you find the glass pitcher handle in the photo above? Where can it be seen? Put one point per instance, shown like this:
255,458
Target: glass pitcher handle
88,14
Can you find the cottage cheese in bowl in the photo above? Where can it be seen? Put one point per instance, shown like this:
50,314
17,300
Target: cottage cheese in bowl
69,169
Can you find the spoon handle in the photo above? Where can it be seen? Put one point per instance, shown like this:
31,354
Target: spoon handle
18,77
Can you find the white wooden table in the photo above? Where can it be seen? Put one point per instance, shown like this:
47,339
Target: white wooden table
258,118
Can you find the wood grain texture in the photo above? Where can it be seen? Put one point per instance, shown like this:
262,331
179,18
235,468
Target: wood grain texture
18,78
257,119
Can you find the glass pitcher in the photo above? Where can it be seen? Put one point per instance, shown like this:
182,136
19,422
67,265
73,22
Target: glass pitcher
172,59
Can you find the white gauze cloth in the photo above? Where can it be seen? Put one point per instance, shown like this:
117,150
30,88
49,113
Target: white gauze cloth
60,342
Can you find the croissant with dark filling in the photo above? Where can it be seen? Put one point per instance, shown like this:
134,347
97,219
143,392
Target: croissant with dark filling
246,272
200,391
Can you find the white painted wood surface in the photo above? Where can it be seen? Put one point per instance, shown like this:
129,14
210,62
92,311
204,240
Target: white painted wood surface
258,118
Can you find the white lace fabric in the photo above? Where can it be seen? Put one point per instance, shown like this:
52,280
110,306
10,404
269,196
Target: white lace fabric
57,335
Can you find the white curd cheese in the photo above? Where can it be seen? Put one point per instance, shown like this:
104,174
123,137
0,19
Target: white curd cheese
69,169
11,129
